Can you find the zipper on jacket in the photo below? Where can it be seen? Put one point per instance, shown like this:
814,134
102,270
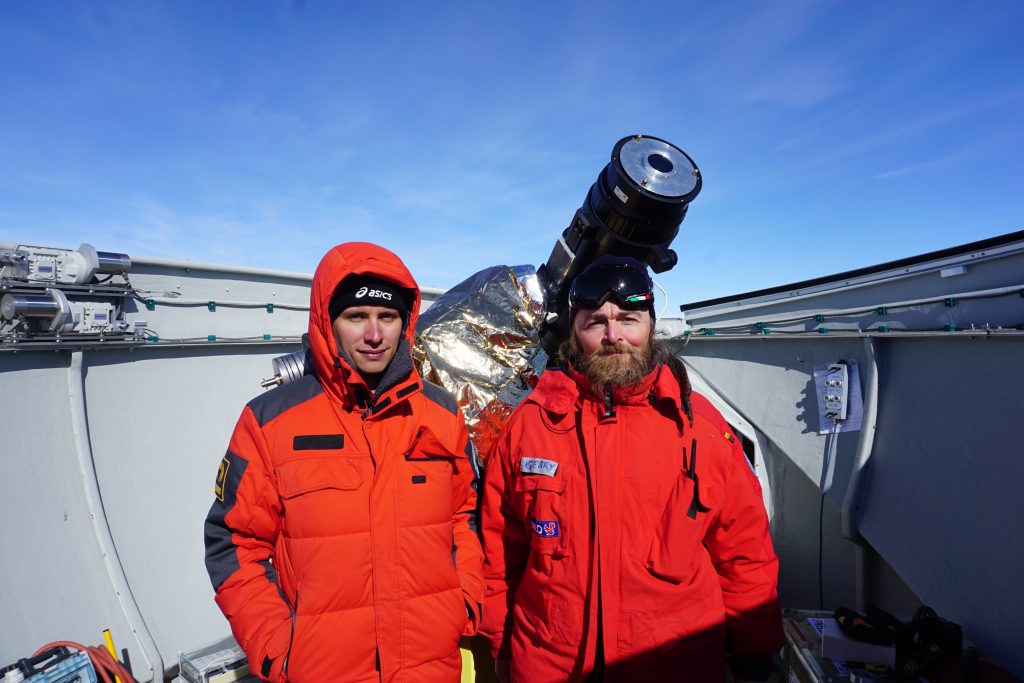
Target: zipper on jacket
291,637
609,406
374,407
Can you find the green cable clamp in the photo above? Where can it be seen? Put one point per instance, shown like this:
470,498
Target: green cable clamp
883,328
819,318
266,337
153,338
822,330
211,337
759,326
950,302
212,305
150,304
765,330
270,308
950,328
882,310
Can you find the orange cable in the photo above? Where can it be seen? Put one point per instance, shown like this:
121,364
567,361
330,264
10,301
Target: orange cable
102,661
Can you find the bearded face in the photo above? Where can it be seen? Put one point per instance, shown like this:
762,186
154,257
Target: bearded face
611,346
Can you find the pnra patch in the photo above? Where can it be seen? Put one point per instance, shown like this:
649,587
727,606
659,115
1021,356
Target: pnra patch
545,528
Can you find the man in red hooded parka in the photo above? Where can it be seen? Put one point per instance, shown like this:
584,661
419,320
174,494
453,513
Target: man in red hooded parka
341,544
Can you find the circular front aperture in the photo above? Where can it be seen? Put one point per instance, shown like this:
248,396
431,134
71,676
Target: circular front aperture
660,168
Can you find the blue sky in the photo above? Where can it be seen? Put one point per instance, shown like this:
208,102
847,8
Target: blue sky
462,135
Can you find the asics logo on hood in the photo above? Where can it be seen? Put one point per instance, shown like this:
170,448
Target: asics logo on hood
373,293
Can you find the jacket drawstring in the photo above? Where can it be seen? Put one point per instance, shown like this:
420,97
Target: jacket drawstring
691,472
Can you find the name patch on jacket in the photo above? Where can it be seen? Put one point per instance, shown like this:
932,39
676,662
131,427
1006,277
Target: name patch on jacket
545,528
318,442
538,466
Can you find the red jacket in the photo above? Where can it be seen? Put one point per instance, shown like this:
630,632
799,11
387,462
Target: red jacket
341,543
589,506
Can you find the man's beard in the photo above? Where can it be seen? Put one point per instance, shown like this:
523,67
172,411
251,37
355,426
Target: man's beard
620,365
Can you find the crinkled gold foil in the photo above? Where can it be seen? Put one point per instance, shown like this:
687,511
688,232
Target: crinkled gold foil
480,341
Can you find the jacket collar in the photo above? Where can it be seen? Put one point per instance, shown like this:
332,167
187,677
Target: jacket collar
560,389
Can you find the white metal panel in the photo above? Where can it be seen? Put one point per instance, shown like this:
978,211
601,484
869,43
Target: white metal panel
945,501
161,423
56,584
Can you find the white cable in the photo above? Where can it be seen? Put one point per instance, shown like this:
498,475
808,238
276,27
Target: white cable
661,313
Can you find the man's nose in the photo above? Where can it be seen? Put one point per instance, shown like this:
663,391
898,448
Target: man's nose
373,333
612,333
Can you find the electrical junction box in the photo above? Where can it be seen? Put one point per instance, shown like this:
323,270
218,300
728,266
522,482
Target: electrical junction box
837,388
67,668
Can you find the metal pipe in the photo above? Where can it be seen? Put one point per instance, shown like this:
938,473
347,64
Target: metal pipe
856,487
105,540
698,314
865,442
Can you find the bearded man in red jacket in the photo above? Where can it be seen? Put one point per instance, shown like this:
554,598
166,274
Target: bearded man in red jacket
624,534
342,543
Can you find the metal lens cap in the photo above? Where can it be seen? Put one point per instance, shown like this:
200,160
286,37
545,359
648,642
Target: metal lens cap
658,167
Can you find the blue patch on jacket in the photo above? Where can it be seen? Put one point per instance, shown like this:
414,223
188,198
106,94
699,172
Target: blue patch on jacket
545,528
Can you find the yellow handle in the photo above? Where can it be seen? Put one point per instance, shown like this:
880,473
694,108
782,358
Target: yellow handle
110,648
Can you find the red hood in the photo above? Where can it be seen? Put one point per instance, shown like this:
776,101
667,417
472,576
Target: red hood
351,258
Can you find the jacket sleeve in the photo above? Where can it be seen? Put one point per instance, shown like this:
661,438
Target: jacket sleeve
741,549
467,552
506,549
241,529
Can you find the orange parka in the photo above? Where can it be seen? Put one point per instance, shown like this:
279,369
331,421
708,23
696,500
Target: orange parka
617,506
342,543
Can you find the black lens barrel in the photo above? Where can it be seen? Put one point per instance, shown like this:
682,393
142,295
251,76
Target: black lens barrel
634,208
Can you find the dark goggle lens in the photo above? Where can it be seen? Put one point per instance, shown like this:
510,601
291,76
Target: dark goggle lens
628,286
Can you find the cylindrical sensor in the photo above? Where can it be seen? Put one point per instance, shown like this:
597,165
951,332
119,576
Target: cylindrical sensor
109,262
28,305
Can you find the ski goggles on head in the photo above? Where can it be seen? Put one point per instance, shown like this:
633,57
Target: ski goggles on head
630,287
